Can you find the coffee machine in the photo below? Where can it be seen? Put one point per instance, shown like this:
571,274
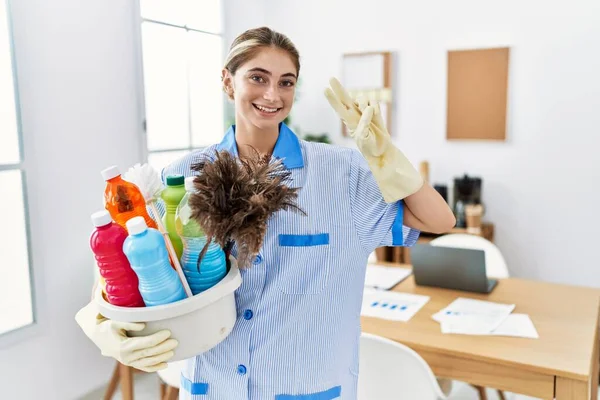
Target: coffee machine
467,190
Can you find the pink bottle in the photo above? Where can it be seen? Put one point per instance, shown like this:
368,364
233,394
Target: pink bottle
106,242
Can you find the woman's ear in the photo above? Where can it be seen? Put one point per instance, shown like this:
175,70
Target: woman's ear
227,79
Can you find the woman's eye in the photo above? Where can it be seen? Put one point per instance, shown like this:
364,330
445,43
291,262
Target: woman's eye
257,78
287,83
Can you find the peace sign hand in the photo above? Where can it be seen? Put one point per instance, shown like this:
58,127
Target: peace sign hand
394,174
361,117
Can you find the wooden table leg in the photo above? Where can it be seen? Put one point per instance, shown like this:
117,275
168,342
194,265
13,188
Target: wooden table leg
481,392
595,368
569,389
163,390
171,394
114,381
126,381
594,378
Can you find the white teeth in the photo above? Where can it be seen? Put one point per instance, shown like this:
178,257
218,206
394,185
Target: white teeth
265,109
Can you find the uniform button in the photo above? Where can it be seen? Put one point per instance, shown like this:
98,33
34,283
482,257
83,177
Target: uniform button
241,370
257,260
248,314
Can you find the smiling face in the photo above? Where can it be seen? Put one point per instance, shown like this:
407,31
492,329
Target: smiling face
263,88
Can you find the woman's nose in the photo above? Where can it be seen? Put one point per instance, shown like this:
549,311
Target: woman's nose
272,93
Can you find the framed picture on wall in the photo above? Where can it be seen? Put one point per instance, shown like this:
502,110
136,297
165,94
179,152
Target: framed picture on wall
370,74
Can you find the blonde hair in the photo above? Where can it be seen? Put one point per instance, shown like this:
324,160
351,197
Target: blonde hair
249,43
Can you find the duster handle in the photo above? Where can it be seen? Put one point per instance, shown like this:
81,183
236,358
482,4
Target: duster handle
171,249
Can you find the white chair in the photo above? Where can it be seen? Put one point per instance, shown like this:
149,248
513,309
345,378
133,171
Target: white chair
392,371
494,261
372,258
171,378
495,267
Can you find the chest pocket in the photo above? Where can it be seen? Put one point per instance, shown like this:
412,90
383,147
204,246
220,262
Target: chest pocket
304,263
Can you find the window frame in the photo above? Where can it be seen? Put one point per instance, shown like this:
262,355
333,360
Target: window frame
145,152
24,332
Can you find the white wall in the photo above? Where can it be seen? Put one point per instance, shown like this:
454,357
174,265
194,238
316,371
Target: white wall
541,187
240,15
76,70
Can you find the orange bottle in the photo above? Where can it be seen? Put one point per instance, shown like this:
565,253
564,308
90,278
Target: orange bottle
123,200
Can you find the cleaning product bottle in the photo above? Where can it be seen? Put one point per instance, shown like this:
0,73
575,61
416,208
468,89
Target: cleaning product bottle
123,199
172,196
147,253
120,282
213,266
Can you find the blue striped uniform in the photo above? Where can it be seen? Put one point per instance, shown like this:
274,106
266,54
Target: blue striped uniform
298,322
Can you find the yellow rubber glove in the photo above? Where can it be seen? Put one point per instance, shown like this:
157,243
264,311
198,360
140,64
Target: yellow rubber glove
147,353
394,174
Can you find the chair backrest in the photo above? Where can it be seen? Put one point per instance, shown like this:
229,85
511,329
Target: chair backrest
391,371
372,257
495,264
172,374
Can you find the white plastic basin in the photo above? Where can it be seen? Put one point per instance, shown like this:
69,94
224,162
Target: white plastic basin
199,323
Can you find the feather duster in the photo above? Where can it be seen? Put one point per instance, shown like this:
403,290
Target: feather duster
235,198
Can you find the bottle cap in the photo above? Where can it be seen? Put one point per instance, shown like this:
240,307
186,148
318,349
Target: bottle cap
110,172
189,184
175,180
101,218
136,225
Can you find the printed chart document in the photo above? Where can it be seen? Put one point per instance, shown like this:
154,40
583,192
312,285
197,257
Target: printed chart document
383,277
472,317
517,325
393,306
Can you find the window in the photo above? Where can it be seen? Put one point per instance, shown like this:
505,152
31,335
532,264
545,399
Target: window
181,60
16,308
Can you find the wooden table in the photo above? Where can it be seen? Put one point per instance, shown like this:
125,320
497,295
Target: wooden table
561,364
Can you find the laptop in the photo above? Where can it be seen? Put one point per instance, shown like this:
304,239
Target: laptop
450,268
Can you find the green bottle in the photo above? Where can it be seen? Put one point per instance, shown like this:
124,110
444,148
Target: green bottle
172,196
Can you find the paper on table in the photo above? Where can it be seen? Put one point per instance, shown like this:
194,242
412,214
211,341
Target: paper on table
392,306
519,325
474,317
382,277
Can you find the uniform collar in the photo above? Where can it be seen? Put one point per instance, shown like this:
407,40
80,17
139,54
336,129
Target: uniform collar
286,148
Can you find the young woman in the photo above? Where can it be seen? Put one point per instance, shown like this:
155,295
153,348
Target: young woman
298,326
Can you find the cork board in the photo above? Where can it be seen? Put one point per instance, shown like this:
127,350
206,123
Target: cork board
477,94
